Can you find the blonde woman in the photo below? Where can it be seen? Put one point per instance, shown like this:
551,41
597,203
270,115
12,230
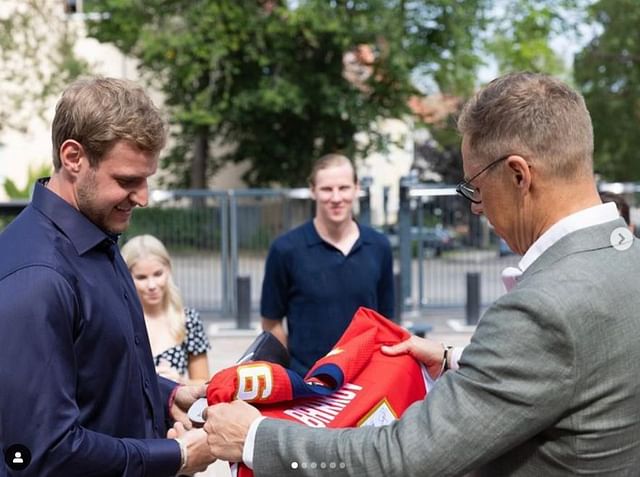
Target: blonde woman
178,341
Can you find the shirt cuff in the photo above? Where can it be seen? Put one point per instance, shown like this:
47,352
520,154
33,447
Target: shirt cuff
161,456
456,353
249,442
429,382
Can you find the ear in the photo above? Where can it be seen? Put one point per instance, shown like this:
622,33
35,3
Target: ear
72,156
520,173
312,191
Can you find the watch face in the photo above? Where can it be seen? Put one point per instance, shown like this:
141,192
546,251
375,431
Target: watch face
196,410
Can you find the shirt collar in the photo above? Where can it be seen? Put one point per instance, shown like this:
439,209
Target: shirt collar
312,236
83,234
595,215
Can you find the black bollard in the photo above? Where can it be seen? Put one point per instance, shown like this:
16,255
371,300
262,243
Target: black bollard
473,298
243,314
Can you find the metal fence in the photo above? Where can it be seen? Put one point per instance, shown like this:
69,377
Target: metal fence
217,238
220,239
194,226
445,252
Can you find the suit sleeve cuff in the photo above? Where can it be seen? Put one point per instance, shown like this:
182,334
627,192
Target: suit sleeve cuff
249,442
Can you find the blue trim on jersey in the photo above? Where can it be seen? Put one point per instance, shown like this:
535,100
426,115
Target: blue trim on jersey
333,371
306,389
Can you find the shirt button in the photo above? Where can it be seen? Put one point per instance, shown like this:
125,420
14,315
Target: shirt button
126,297
146,383
137,340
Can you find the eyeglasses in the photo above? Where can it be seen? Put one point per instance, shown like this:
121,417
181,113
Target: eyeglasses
469,192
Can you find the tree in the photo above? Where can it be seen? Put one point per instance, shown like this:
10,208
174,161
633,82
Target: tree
36,59
522,34
607,71
279,84
517,35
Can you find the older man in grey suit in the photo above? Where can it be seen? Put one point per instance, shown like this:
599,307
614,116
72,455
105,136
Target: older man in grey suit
549,383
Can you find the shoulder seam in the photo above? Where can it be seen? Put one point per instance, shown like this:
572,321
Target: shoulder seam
35,265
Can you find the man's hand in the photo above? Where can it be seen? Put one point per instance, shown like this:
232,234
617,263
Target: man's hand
428,352
227,426
198,454
184,398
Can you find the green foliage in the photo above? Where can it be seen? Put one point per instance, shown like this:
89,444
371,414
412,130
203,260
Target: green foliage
36,59
34,173
517,35
521,40
608,73
266,79
196,228
437,40
178,228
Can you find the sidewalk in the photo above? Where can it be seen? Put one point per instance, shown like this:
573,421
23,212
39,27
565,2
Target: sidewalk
228,344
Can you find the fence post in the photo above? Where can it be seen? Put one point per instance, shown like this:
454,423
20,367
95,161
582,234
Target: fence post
475,230
404,239
233,250
364,215
225,271
243,307
473,298
397,298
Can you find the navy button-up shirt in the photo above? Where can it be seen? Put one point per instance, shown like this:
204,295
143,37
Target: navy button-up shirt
77,380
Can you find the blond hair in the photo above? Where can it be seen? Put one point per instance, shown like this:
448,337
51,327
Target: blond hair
99,112
533,115
148,246
330,160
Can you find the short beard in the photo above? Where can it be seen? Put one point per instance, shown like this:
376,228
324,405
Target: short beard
86,199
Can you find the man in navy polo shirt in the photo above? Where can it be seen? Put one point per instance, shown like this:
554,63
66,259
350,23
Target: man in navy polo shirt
318,274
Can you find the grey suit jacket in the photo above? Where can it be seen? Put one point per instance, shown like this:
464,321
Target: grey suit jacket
549,385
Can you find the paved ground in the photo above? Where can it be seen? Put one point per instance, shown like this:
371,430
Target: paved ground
228,344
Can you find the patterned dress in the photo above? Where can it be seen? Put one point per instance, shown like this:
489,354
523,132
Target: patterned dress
195,342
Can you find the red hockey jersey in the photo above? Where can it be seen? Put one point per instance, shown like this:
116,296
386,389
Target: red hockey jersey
353,385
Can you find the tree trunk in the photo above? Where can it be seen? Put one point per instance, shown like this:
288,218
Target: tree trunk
200,156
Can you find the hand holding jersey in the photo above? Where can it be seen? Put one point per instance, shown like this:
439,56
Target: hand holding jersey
353,385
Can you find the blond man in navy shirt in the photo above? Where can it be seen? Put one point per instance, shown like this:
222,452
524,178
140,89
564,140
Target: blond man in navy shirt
318,274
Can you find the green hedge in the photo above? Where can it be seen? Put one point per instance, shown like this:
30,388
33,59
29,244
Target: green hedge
178,228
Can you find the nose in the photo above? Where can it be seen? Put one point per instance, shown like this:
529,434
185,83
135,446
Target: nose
151,283
476,208
335,195
140,196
